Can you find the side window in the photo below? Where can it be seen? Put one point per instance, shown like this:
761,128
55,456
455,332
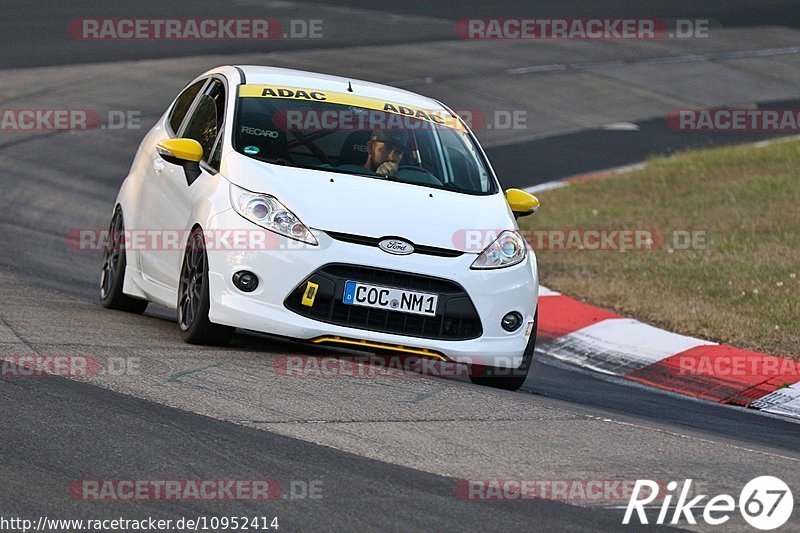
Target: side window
206,120
183,103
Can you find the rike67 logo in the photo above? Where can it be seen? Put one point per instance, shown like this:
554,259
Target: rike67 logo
765,503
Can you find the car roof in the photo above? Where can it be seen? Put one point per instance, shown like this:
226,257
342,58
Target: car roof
260,75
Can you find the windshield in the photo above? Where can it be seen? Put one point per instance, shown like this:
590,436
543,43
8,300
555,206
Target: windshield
339,132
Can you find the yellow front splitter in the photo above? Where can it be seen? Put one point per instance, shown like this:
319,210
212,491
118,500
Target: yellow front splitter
361,343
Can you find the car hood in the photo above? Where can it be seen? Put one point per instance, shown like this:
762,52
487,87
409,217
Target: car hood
360,205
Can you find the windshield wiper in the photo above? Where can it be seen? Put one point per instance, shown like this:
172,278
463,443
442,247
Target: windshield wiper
275,161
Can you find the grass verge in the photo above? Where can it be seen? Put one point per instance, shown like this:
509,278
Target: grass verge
736,209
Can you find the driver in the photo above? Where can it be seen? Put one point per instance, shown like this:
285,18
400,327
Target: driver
386,150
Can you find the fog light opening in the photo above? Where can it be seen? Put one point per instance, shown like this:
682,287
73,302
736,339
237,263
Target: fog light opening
245,281
511,321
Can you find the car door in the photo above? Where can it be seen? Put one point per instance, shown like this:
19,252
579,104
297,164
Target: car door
169,201
151,200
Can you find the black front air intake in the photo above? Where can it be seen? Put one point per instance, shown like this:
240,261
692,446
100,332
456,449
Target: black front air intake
456,317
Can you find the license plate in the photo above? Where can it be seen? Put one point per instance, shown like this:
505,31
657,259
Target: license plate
418,303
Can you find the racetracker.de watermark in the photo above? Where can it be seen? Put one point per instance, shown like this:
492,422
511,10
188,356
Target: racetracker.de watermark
599,491
225,240
785,120
403,119
195,489
193,29
69,366
175,489
589,239
22,120
374,366
737,366
581,28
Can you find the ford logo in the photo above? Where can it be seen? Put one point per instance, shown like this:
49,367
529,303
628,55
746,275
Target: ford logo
396,246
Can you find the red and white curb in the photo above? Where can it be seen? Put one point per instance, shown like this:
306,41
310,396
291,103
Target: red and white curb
590,337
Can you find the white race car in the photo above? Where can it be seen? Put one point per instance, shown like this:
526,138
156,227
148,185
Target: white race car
330,210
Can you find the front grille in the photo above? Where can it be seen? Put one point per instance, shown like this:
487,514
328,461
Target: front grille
456,317
373,241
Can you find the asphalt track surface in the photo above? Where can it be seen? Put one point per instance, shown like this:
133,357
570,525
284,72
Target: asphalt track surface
597,150
155,442
56,431
34,32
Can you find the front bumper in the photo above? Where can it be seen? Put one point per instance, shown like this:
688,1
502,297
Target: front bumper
287,264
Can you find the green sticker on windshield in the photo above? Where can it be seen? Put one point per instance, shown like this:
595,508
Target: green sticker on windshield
251,150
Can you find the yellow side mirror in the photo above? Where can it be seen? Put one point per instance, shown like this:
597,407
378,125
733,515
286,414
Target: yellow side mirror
184,152
521,203
180,149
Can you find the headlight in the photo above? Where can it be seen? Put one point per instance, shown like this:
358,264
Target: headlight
267,212
506,250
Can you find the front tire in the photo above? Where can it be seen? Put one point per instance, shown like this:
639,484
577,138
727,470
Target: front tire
194,299
507,378
112,274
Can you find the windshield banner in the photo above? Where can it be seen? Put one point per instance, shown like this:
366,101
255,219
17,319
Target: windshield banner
435,116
